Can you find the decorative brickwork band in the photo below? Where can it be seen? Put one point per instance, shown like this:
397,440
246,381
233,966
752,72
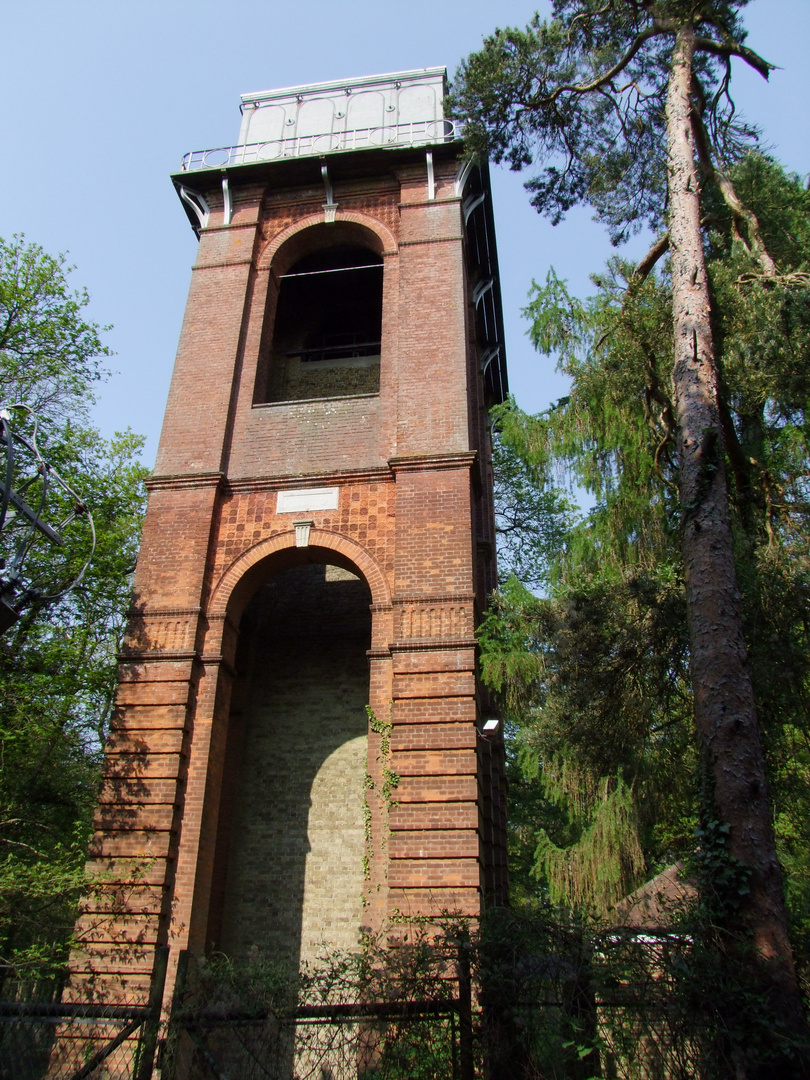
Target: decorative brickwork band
437,617
386,241
156,631
226,592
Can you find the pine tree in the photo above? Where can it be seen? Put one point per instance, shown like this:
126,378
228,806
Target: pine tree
626,106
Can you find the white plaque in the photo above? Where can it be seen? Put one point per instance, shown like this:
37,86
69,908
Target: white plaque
302,500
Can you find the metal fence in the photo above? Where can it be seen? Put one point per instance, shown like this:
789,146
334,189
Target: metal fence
81,1040
564,1006
222,1029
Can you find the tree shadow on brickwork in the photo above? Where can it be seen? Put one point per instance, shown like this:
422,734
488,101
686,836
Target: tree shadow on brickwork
289,864
125,877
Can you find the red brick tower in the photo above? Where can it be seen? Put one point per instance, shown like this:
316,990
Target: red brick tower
319,538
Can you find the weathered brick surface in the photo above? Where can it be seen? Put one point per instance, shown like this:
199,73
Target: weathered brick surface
128,899
161,693
435,762
427,710
115,817
140,765
434,844
152,671
130,792
437,736
231,813
107,929
212,341
434,902
434,542
434,660
365,515
127,871
145,741
337,434
422,873
420,789
141,843
111,957
149,717
434,684
434,815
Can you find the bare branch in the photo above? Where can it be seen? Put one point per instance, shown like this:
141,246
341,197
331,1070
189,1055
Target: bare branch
732,48
799,278
730,197
584,15
606,77
659,248
20,844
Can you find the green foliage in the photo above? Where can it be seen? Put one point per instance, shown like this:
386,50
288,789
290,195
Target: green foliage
567,998
595,685
582,96
595,673
58,662
384,791
607,861
49,355
536,972
532,517
724,880
384,729
57,678
557,995
355,1013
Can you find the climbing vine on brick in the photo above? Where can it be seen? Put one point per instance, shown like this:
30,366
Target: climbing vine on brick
383,790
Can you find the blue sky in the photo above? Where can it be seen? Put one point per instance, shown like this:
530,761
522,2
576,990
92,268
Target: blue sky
101,99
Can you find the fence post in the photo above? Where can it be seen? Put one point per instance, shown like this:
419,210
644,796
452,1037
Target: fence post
146,1058
170,1068
465,1028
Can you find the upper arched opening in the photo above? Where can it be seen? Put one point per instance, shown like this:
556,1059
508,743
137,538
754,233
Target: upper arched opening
327,325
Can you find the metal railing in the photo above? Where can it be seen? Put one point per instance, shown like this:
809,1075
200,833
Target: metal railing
82,1040
222,1029
416,133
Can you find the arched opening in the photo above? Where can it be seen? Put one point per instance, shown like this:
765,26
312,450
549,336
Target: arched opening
288,873
328,326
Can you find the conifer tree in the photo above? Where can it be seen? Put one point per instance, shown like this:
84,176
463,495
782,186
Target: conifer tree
625,104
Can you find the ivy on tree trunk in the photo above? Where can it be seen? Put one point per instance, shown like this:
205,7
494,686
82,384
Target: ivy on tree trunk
625,105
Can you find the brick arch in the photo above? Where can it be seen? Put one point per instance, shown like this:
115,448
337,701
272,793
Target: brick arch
287,246
251,569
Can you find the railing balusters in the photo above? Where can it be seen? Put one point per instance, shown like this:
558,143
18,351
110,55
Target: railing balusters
414,133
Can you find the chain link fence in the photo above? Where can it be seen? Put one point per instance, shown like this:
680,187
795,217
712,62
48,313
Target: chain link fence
534,999
79,1040
405,1014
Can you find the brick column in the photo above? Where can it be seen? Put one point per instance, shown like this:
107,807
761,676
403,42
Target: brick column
434,844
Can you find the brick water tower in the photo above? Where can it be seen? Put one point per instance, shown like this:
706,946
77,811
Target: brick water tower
299,746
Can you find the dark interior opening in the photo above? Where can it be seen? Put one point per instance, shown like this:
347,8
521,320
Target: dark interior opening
288,870
328,327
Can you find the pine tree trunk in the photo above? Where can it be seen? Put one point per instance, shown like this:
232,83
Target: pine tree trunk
725,713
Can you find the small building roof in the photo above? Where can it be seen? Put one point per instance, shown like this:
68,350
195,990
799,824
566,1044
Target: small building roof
657,903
